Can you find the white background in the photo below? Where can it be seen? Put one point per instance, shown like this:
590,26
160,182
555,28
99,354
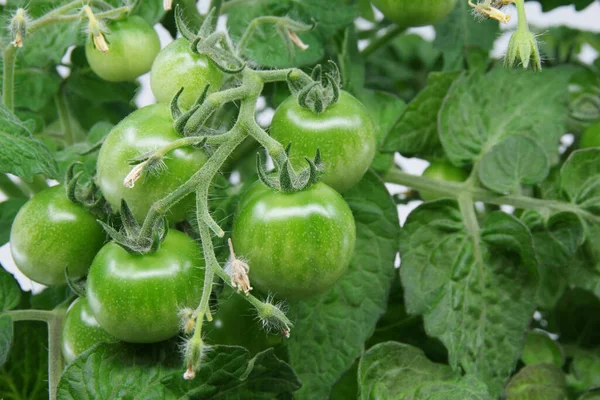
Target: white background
588,19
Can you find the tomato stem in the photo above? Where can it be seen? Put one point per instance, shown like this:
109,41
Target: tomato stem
8,77
381,41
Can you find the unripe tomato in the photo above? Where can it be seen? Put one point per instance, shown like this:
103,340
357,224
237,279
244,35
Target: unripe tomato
81,330
177,67
591,137
132,46
344,133
146,130
50,234
442,171
136,297
409,13
296,244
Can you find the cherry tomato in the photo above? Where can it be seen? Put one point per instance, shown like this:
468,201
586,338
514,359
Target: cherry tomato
136,297
344,133
442,171
143,131
177,67
132,46
591,137
81,330
409,13
50,234
296,244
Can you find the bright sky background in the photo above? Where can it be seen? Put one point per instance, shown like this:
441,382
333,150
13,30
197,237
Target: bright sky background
588,19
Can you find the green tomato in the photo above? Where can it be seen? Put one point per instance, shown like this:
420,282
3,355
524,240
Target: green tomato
143,131
344,133
409,13
50,234
81,330
296,244
177,67
132,46
235,324
136,297
591,137
442,171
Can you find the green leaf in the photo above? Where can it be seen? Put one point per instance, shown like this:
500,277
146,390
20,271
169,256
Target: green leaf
580,179
585,369
584,271
541,349
556,240
25,374
8,212
35,87
591,395
10,292
471,123
20,153
267,47
474,286
399,371
537,382
576,318
330,330
6,338
548,5
515,161
230,373
460,32
415,133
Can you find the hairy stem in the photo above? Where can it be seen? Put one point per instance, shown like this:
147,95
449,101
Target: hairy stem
522,25
31,315
247,35
55,360
381,41
8,76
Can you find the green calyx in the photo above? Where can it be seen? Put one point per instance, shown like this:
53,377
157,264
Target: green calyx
321,91
130,237
523,49
181,119
207,41
87,194
286,180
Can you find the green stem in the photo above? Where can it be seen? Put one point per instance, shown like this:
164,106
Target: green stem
10,189
243,43
62,109
229,5
55,360
32,315
379,42
8,77
454,190
522,25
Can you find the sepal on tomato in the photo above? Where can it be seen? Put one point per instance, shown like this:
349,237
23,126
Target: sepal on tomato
273,318
129,237
194,352
181,119
320,92
286,180
18,27
87,194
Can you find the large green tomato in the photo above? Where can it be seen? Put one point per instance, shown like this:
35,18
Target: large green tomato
51,234
177,67
132,46
409,13
81,330
344,133
591,137
136,297
296,244
442,171
235,324
143,131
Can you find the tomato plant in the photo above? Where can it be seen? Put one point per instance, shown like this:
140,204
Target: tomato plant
343,133
145,130
299,244
262,231
177,67
136,297
52,235
81,330
133,47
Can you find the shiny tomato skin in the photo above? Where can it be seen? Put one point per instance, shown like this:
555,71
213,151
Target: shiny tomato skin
143,131
176,67
297,244
132,46
136,297
442,171
50,234
344,134
81,330
413,13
